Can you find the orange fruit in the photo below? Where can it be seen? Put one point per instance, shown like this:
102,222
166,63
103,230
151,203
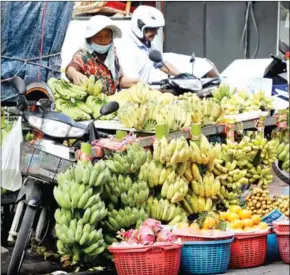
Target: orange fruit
244,214
256,219
235,208
232,216
248,223
237,224
223,216
209,223
194,226
262,225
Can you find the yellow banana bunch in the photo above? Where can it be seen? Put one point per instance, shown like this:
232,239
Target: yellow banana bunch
175,191
139,93
196,204
206,153
207,187
173,152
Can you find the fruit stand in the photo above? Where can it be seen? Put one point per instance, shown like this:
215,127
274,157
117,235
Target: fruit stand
194,188
206,198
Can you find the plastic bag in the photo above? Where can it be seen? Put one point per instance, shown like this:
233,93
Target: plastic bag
11,174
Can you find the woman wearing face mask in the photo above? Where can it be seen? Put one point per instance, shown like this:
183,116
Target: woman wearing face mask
98,57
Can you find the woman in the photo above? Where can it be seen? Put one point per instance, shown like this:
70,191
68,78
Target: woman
98,57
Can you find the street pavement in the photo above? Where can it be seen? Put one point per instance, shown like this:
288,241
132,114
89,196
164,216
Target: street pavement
277,268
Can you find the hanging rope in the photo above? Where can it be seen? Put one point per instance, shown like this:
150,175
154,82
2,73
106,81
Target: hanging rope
42,35
30,61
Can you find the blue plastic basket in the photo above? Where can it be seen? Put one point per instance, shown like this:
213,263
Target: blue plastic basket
206,257
272,248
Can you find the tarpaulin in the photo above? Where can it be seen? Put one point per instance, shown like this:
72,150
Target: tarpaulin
32,31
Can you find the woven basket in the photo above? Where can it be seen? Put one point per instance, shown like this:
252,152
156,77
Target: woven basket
93,8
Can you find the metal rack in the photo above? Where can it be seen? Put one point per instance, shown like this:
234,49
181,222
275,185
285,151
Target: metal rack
148,141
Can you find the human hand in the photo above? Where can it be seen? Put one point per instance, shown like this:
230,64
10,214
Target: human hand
79,78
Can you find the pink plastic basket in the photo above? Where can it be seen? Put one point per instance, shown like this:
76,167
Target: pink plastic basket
283,244
149,260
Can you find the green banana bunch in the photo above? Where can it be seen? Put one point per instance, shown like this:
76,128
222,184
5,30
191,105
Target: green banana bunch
165,211
95,103
63,216
63,89
73,195
79,238
109,239
223,91
124,218
155,174
281,138
89,84
116,186
73,110
128,162
261,175
86,173
136,195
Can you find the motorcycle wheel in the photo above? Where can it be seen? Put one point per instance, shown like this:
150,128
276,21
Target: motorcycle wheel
282,175
22,240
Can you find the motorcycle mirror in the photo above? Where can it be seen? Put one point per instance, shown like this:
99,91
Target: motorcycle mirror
155,56
109,108
192,58
19,84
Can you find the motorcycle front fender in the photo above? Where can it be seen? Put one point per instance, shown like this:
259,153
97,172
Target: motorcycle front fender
30,192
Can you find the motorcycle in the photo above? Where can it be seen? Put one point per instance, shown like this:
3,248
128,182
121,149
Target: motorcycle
40,163
184,82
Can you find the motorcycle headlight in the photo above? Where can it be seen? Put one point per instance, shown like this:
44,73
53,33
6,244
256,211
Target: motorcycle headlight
188,84
55,128
35,122
76,132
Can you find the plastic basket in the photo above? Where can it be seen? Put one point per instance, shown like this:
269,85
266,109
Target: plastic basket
185,238
282,227
206,257
272,248
248,250
283,245
40,164
149,260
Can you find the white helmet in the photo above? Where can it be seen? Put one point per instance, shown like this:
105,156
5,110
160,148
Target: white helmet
100,22
146,17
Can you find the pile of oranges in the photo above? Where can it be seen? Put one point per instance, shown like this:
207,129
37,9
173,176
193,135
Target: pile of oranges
206,221
240,219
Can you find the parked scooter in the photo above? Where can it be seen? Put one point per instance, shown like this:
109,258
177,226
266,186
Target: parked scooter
184,82
40,163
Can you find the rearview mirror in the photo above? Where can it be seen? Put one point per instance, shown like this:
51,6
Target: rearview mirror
109,108
155,56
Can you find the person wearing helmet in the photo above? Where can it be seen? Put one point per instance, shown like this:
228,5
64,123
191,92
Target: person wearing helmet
98,57
134,53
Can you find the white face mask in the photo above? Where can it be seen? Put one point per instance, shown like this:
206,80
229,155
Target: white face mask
100,48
